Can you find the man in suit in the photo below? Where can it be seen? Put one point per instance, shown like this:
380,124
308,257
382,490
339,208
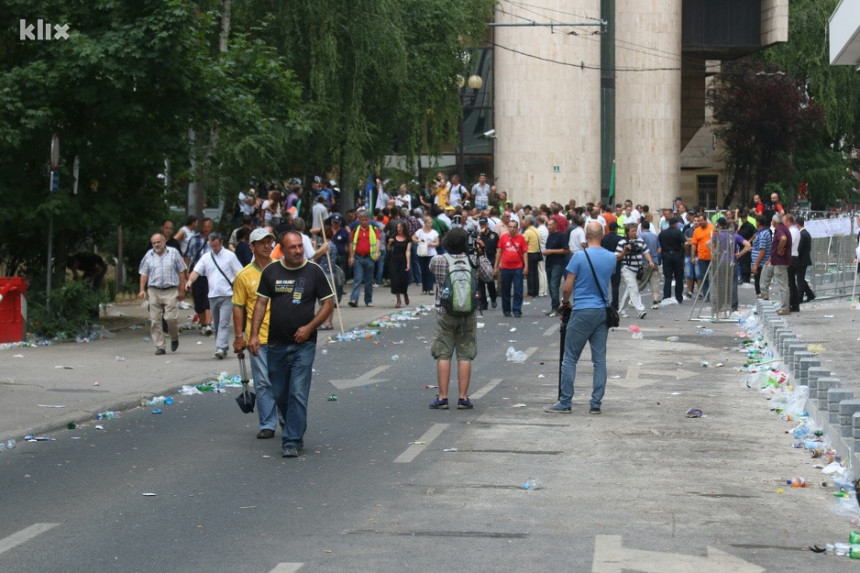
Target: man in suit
804,261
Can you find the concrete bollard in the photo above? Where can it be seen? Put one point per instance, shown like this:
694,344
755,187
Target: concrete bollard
805,365
855,423
847,408
782,340
813,375
795,364
825,384
786,342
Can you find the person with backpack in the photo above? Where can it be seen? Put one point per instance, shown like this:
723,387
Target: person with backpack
457,273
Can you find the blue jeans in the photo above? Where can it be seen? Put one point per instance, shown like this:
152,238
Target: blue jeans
586,325
362,272
414,268
512,277
428,281
553,277
380,267
267,410
290,369
702,274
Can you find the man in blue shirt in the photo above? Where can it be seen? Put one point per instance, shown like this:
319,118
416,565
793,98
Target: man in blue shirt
555,253
588,317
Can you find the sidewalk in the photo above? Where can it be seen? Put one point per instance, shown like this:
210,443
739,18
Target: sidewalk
44,388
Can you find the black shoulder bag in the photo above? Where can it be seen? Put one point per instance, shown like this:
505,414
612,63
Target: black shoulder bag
612,318
217,266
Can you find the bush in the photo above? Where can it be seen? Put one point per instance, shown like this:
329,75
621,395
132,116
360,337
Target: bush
74,306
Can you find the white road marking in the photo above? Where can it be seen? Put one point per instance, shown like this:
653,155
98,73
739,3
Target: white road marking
364,379
611,557
486,389
531,350
638,376
25,535
412,451
551,330
287,567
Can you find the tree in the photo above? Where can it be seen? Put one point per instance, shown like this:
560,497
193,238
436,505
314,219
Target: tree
760,114
122,92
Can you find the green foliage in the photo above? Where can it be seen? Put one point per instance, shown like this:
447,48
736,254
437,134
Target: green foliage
835,89
72,307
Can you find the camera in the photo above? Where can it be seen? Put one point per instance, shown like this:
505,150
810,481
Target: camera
474,244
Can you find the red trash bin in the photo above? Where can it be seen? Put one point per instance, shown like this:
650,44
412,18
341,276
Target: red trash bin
13,309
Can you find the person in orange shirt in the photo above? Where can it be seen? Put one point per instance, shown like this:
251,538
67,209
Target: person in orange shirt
700,253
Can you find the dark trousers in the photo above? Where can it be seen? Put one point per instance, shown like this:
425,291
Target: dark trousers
758,281
745,264
794,294
483,288
616,283
673,268
803,288
532,280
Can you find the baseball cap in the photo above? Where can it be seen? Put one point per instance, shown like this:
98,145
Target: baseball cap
332,182
482,220
613,226
259,235
449,208
336,218
673,220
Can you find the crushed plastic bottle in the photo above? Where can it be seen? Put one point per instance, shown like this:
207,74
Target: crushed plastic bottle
395,358
673,339
109,415
531,484
157,411
10,445
796,482
515,356
157,401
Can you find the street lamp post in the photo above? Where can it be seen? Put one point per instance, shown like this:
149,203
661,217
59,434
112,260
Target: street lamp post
467,101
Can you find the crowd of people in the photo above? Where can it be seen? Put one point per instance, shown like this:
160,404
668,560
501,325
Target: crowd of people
277,278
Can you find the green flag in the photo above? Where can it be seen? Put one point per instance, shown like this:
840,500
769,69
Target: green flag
612,183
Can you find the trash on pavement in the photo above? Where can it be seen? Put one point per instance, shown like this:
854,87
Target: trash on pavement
694,413
514,355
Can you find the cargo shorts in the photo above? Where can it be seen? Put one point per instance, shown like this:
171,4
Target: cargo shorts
458,333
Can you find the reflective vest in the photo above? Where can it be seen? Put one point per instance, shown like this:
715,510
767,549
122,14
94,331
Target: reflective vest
374,249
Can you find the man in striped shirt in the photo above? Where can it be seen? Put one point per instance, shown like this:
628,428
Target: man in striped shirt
761,250
162,273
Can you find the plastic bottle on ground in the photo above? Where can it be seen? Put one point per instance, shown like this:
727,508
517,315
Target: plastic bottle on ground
109,415
531,484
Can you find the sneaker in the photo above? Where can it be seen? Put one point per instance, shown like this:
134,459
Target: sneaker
290,452
688,295
623,314
518,315
464,404
494,304
220,354
265,434
439,404
174,344
353,303
594,410
207,330
783,311
557,409
507,314
655,306
160,351
552,313
642,315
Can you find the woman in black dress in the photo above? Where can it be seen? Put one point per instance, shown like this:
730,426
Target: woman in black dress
399,263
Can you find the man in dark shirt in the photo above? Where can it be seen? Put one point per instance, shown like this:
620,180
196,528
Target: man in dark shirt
610,242
292,286
490,240
776,268
555,255
672,250
804,261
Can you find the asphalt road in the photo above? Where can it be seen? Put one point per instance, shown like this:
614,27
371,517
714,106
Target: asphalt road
386,484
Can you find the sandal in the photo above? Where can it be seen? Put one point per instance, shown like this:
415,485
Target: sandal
326,327
397,305
406,299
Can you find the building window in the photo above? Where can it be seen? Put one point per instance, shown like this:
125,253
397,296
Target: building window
706,191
